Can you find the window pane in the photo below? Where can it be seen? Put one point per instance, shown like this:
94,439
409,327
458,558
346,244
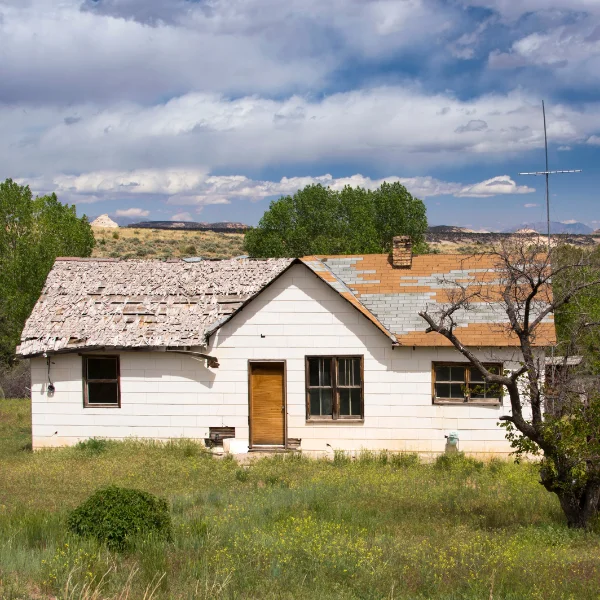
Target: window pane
320,402
457,373
348,371
313,371
442,373
350,402
457,390
442,390
102,368
476,375
319,371
103,393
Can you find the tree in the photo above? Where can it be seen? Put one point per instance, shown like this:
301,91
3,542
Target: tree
568,438
319,220
33,232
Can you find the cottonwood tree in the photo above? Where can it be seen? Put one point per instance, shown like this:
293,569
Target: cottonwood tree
33,232
566,437
320,220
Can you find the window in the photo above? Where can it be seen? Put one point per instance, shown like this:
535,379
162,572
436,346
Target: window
101,381
456,383
334,387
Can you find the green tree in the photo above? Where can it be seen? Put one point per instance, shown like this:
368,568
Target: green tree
319,220
33,232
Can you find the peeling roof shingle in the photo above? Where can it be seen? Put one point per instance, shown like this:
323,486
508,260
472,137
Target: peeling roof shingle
393,298
94,303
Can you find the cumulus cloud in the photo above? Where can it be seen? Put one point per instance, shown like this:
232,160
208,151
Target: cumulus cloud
132,212
141,49
196,188
531,205
382,127
182,216
593,140
497,186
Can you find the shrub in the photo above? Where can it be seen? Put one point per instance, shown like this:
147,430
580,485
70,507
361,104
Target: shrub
116,516
190,250
405,460
93,446
15,380
457,462
115,235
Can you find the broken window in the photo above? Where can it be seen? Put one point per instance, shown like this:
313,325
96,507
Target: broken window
334,387
101,386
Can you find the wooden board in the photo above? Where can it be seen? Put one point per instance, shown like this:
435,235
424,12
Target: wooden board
267,404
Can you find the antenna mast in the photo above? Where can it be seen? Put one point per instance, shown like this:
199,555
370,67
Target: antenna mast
547,173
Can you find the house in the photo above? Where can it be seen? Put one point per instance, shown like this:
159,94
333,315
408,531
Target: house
318,353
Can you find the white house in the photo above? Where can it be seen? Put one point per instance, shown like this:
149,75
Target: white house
319,353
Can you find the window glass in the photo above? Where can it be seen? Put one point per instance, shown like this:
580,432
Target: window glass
348,371
321,401
102,368
442,373
350,402
319,371
103,393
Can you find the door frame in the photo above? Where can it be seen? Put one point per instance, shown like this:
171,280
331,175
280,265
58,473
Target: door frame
285,406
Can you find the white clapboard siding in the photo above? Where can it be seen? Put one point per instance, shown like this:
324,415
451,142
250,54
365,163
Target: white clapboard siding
172,395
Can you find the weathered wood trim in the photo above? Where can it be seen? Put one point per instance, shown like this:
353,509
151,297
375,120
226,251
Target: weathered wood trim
84,359
466,400
335,416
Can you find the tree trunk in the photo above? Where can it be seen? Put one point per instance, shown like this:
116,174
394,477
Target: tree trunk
580,506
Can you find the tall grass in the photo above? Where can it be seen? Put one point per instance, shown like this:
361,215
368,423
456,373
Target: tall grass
376,526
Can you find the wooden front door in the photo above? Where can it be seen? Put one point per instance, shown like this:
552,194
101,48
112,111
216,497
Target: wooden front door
267,404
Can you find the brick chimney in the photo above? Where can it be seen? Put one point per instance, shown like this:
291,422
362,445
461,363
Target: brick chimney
402,252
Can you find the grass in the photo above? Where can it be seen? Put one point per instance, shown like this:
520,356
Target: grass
163,243
382,526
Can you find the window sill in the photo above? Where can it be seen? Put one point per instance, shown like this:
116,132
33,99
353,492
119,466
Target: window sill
440,402
101,406
313,421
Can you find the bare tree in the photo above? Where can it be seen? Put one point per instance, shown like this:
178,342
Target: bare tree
519,289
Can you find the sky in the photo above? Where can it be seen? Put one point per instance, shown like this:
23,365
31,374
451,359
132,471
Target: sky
207,110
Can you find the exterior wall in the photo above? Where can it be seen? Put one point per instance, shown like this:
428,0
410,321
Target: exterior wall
172,395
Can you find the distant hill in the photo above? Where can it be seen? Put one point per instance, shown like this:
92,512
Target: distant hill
555,227
448,229
221,226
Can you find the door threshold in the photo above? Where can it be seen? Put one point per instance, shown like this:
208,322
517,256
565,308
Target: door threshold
268,449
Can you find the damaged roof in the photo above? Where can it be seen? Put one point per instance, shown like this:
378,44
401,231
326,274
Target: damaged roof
392,298
111,303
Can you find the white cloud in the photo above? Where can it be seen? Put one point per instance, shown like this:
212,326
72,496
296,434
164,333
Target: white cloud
190,187
564,148
569,221
531,205
593,140
182,216
380,127
132,212
497,186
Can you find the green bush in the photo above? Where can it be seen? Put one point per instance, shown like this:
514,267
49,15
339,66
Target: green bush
93,445
116,516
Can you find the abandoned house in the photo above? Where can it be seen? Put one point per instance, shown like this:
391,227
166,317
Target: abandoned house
318,353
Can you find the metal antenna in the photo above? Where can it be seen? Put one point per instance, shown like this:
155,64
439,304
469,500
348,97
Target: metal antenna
547,173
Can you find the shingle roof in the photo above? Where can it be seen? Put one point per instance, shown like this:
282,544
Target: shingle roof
109,303
393,298
104,303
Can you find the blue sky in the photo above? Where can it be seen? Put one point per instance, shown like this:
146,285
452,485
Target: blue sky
208,110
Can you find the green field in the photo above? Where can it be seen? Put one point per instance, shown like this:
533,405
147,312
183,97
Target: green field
287,527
